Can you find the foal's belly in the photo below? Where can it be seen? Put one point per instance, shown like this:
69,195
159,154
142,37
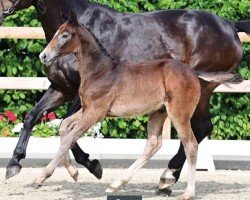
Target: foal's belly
134,108
143,101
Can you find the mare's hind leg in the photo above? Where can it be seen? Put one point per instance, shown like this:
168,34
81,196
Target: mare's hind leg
154,143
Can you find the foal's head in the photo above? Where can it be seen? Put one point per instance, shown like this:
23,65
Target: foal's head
65,41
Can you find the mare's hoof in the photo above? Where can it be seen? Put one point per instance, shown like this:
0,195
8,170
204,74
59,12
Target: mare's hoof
97,169
164,192
12,170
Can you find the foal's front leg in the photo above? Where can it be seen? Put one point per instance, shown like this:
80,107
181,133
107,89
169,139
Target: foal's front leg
81,157
70,131
154,142
66,162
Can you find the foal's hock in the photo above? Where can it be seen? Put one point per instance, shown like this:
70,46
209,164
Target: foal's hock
112,88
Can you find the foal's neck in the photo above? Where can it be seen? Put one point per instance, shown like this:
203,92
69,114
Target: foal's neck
92,57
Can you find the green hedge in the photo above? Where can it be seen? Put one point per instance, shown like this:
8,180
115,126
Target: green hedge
231,112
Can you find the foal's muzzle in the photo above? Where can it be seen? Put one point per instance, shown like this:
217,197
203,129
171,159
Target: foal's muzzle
43,57
47,57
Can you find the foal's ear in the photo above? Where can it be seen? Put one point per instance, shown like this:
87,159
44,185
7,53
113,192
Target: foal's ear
73,19
64,17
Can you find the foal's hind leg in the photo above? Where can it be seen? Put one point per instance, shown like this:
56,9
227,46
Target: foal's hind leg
190,144
154,143
201,126
180,111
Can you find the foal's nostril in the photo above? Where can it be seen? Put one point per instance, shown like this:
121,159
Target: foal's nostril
43,57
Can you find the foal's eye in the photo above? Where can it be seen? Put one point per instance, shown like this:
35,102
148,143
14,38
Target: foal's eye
65,36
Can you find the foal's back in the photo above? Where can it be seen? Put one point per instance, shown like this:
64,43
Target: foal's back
146,87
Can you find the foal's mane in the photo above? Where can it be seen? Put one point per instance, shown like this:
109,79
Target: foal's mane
103,50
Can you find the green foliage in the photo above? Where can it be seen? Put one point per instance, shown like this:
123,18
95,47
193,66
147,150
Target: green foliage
231,112
125,128
231,9
5,128
44,130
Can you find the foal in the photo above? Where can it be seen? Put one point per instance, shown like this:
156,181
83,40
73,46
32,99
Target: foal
110,88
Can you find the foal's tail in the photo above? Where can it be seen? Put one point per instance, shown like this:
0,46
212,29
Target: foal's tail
220,77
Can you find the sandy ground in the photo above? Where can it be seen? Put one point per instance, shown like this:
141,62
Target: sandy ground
228,185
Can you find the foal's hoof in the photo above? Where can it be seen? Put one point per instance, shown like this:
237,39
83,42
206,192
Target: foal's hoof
36,185
76,176
186,196
166,182
111,190
12,170
96,169
164,192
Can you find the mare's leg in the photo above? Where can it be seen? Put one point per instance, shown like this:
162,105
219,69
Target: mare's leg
154,143
50,100
81,157
201,126
70,131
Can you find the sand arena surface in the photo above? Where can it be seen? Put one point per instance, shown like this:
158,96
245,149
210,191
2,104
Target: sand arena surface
228,185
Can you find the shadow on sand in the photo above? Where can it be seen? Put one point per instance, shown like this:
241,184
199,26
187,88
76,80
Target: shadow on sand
78,191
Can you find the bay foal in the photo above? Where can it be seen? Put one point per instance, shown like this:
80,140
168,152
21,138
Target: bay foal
121,89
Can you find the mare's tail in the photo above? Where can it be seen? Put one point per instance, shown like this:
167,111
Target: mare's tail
243,26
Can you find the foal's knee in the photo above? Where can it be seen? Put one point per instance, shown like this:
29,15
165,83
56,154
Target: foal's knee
155,142
159,144
64,127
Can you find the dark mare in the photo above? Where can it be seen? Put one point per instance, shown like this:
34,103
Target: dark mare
200,39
